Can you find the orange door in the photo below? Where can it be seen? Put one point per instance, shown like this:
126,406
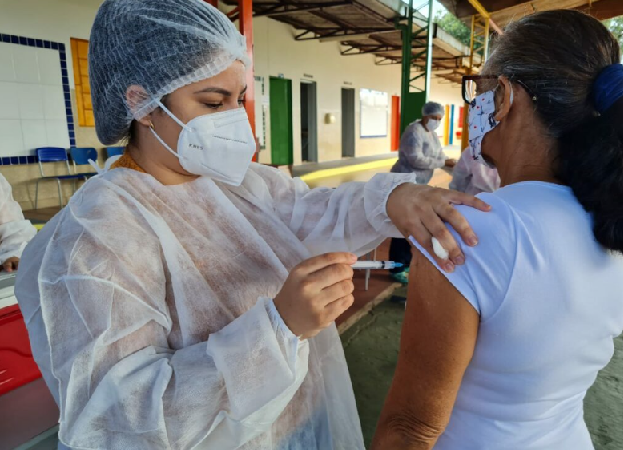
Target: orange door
395,123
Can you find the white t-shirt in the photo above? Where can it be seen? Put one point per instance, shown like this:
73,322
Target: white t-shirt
550,301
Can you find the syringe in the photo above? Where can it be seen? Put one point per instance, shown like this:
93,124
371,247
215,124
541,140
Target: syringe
376,265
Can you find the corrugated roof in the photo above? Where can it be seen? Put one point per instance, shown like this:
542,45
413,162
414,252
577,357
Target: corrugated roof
365,27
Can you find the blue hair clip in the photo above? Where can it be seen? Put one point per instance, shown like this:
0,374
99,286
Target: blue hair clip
608,87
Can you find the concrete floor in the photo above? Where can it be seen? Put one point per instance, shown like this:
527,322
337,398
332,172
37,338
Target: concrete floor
441,177
371,347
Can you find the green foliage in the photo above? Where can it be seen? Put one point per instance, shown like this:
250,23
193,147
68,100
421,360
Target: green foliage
454,27
615,25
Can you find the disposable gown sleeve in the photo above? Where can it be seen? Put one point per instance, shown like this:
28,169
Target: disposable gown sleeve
121,385
352,217
412,147
15,231
461,175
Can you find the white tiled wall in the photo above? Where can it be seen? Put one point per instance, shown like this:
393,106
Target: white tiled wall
32,104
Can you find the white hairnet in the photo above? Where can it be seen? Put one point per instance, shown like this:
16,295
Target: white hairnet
433,109
159,45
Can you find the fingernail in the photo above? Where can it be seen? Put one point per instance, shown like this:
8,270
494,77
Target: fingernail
353,258
472,241
459,260
448,267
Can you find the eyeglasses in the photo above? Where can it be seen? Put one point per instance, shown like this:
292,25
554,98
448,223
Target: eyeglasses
474,85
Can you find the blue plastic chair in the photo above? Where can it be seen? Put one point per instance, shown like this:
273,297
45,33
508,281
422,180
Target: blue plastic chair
114,151
54,154
80,157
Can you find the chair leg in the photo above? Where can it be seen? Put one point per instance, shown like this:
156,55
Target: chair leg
37,194
60,193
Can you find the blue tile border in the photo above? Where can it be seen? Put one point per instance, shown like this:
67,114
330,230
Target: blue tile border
18,160
62,55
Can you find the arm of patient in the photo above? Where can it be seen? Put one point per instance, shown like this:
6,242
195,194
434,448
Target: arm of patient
437,343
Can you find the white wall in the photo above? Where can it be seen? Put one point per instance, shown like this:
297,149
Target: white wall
58,21
53,20
447,94
32,104
276,52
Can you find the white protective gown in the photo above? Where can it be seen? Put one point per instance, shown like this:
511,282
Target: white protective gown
15,231
473,177
149,311
420,153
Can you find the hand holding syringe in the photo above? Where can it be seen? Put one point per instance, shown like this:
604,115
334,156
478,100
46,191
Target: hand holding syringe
373,265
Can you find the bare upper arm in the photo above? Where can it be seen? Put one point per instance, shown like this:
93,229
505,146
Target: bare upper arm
437,343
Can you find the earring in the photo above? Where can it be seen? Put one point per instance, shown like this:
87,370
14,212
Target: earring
151,125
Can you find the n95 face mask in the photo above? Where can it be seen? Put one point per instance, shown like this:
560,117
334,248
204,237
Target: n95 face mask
481,121
219,145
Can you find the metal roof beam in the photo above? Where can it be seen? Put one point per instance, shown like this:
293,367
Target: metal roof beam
355,35
280,10
370,12
351,51
329,18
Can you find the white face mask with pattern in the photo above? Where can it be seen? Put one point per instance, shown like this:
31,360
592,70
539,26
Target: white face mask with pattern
218,145
481,121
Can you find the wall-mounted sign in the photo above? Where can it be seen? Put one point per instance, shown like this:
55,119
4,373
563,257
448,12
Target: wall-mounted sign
306,75
348,83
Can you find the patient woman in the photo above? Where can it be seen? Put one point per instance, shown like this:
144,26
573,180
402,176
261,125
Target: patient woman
499,354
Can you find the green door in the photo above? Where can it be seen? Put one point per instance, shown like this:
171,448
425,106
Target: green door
281,121
412,109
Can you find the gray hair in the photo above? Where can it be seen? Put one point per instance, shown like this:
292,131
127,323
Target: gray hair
556,56
433,109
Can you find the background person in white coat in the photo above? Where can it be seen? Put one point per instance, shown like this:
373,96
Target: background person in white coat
420,153
473,177
15,231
